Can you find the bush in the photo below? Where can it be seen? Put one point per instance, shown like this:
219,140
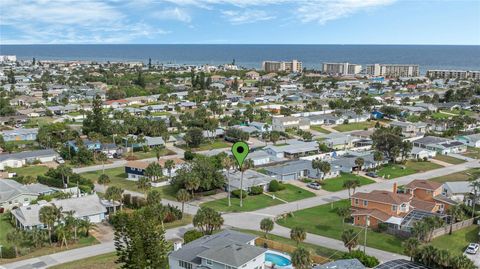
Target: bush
306,180
191,235
236,193
367,261
256,190
275,186
8,252
208,193
127,199
188,155
382,227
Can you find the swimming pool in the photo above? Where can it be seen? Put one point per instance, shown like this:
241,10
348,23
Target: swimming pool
277,259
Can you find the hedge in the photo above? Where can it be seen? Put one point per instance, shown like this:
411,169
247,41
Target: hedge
236,193
256,190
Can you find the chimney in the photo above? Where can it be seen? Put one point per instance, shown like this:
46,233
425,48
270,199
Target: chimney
395,187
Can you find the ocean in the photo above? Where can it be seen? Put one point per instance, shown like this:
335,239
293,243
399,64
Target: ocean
251,56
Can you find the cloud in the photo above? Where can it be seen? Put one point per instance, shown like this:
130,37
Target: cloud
246,16
69,21
322,11
176,13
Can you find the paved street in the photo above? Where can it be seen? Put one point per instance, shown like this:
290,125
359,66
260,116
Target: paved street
251,220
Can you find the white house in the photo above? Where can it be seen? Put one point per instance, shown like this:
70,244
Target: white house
16,160
472,140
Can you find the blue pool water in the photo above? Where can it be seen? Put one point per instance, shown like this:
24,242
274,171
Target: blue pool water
277,259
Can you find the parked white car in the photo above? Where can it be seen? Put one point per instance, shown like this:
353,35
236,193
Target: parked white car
60,160
472,248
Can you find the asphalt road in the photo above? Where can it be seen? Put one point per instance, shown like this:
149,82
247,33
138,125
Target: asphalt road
251,220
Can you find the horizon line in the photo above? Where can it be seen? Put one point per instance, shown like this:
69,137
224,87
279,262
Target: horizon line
235,44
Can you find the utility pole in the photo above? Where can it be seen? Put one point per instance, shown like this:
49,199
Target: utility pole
367,218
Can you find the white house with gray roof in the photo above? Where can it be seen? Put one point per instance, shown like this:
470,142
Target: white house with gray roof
14,194
19,159
86,207
224,250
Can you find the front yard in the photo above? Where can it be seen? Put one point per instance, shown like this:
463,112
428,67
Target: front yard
31,170
458,241
459,176
323,220
449,159
118,178
354,126
255,202
151,154
104,261
390,171
319,129
209,145
336,184
472,153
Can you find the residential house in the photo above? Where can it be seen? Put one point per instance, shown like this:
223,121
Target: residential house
298,169
16,160
342,264
89,144
431,191
283,123
458,191
410,129
20,134
251,178
261,157
226,249
136,169
12,120
472,140
422,153
293,149
440,145
14,194
85,207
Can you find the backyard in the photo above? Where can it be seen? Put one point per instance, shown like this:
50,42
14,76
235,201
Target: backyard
449,159
336,184
209,145
390,171
323,220
458,241
118,178
354,126
459,176
255,202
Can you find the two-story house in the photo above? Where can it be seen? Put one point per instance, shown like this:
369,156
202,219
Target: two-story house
224,250
429,191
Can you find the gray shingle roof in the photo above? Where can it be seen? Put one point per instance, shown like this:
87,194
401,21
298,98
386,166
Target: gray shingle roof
342,264
10,189
234,255
28,155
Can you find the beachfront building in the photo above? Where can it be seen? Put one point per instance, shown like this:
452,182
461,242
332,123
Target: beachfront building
453,74
342,69
393,70
294,66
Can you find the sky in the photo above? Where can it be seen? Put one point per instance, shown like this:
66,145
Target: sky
447,22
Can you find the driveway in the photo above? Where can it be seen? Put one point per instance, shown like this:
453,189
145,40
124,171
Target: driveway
475,258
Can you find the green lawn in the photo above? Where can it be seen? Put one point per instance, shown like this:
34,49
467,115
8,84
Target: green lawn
209,145
255,202
458,241
32,170
5,228
472,153
118,178
354,126
323,220
448,159
38,122
151,154
440,116
336,184
458,176
104,261
315,249
410,167
319,128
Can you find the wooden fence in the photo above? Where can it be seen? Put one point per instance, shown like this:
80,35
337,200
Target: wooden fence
262,242
456,226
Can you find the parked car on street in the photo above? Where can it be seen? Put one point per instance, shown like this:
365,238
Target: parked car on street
472,248
372,174
314,185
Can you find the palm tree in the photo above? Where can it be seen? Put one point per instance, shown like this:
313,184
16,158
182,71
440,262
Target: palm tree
301,258
154,197
227,164
85,226
63,234
443,258
192,183
359,162
455,212
348,184
316,165
325,167
48,216
428,254
475,193
65,172
377,157
114,194
102,157
350,240
266,225
71,223
103,179
183,196
143,183
247,164
154,171
158,153
410,247
169,165
298,234
343,212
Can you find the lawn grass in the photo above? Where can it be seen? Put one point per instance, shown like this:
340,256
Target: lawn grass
319,128
458,176
323,220
151,154
315,249
5,228
32,170
472,153
255,202
38,122
411,167
354,126
119,178
336,184
448,159
458,241
104,261
209,145
440,116
187,219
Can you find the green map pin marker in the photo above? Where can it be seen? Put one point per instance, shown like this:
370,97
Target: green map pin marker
240,151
